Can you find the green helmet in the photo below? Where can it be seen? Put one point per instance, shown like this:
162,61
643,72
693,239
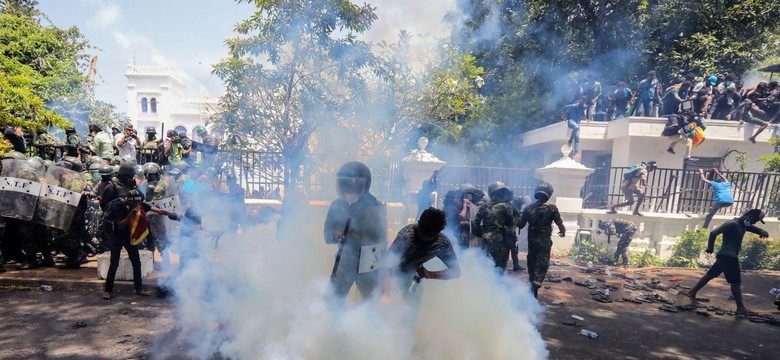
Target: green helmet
120,160
151,130
543,192
36,164
106,170
201,130
92,160
499,192
95,167
48,164
75,163
14,155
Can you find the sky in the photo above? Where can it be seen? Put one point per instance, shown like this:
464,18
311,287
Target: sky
189,35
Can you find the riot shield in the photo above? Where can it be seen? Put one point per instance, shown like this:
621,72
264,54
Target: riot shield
59,198
161,225
19,189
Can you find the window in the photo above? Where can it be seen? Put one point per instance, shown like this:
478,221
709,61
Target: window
144,105
154,105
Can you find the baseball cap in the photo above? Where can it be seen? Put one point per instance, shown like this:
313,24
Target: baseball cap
757,214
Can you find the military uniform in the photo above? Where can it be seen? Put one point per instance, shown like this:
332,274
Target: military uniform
625,230
46,145
539,217
495,224
157,190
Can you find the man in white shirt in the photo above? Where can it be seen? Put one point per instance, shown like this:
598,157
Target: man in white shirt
126,142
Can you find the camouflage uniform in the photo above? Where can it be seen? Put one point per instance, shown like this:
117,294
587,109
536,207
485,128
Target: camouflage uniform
539,216
625,230
157,190
46,145
495,225
149,150
70,242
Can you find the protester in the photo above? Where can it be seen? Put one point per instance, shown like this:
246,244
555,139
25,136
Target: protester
495,224
590,93
635,184
120,220
701,102
721,190
415,245
126,143
726,103
727,259
15,136
621,98
673,99
540,216
574,114
677,130
648,95
357,223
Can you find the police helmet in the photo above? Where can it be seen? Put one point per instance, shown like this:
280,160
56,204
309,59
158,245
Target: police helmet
151,130
70,130
499,192
94,170
171,133
139,172
151,168
36,164
543,192
201,131
93,160
354,177
14,155
75,163
48,163
125,173
106,170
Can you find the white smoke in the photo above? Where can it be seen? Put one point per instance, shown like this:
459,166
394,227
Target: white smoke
258,298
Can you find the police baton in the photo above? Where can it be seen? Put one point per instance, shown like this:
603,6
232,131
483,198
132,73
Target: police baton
341,248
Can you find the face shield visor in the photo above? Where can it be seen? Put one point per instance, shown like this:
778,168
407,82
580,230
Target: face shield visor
351,186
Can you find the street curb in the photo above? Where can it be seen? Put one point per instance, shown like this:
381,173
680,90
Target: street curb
62,284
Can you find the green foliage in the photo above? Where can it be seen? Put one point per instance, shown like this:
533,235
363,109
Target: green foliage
755,254
645,259
772,162
688,250
41,68
295,69
588,250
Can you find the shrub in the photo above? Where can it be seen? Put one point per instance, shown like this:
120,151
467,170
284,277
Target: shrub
755,254
687,251
645,259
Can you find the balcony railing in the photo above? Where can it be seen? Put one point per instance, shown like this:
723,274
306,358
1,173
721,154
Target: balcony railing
682,191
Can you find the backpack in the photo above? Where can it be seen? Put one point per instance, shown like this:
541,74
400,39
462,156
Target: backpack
109,225
633,171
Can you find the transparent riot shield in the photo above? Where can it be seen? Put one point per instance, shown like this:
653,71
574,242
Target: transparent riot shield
19,188
59,198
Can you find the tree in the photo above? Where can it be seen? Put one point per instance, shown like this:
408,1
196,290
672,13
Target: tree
40,69
295,69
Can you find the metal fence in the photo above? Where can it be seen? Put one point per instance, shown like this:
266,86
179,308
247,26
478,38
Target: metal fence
682,191
521,181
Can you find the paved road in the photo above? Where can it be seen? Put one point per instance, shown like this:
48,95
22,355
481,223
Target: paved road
78,324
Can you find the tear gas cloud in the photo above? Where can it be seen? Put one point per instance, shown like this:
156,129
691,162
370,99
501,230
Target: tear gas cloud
262,296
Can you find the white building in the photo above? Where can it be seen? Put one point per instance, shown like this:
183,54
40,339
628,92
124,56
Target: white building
156,97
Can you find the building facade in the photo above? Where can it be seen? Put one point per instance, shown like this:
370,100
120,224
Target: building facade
156,97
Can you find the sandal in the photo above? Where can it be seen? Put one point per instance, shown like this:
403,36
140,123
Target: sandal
668,308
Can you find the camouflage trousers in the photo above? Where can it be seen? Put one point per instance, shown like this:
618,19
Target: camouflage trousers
497,251
158,234
622,248
538,258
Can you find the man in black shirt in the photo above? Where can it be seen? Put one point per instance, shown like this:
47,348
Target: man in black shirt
15,136
117,217
727,260
414,245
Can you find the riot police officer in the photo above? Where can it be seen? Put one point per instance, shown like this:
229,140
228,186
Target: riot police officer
149,149
72,142
356,222
495,224
539,216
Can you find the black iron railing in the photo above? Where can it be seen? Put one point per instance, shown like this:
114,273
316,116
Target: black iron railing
682,191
